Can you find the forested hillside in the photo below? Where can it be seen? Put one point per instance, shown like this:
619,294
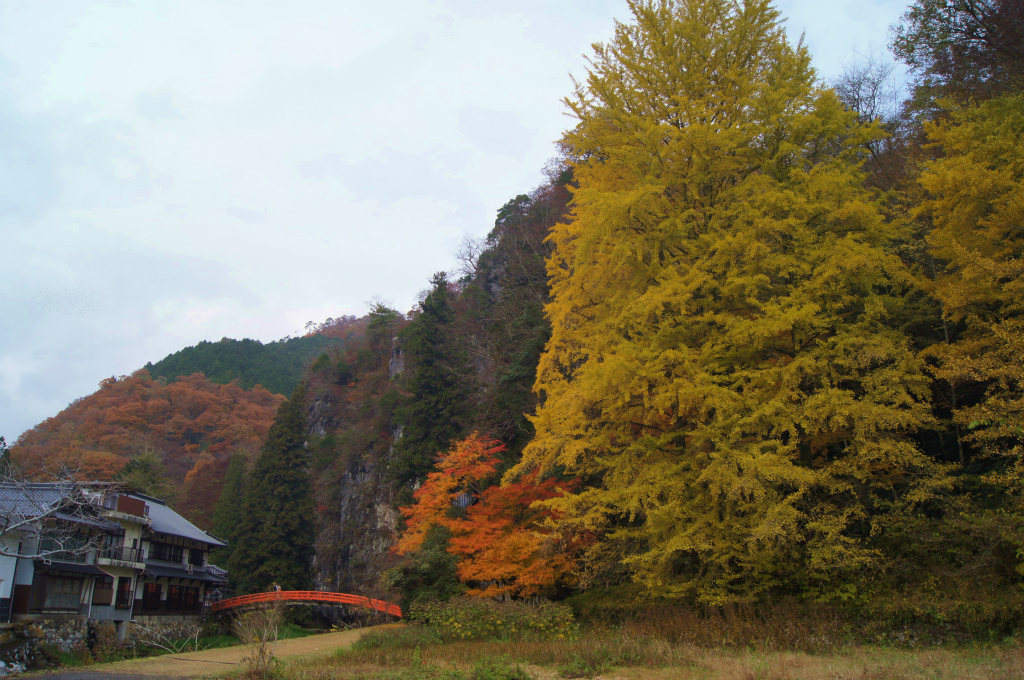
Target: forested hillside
171,439
171,428
277,366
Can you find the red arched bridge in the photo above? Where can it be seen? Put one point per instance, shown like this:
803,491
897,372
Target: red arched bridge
298,596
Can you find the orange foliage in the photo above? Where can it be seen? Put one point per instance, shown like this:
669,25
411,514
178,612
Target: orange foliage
99,465
345,327
505,547
192,424
202,488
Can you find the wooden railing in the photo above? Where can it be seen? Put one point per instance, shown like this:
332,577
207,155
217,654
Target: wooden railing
308,596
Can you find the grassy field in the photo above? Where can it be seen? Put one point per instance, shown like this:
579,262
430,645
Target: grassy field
417,653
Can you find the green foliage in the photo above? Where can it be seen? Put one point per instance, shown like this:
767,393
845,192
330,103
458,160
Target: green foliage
343,372
487,668
275,534
473,618
277,366
322,363
409,637
227,516
5,458
145,473
586,665
428,574
502,309
434,414
381,329
498,668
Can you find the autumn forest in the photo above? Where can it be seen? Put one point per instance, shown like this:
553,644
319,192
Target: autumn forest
757,339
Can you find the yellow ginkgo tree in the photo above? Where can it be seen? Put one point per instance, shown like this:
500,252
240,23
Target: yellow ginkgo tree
975,204
724,372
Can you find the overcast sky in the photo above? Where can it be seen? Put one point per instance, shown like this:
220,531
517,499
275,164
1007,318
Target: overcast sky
174,171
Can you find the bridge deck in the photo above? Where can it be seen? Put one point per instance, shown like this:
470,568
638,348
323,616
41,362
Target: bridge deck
307,596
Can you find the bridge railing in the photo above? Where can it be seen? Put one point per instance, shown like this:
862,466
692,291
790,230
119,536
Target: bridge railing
307,596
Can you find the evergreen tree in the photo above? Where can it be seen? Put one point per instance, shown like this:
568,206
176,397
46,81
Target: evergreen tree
275,535
277,366
227,516
723,367
5,458
434,413
145,473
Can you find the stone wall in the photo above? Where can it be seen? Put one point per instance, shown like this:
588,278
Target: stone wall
162,628
31,642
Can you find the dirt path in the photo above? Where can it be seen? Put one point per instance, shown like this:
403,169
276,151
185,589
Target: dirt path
209,662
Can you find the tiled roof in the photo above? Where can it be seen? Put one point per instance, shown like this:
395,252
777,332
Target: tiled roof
25,501
30,500
157,571
167,521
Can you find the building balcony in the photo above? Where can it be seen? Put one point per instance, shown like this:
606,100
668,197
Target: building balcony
66,557
130,558
126,517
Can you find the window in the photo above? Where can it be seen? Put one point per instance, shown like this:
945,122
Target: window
165,552
191,598
103,591
182,597
124,592
151,596
195,557
71,549
63,593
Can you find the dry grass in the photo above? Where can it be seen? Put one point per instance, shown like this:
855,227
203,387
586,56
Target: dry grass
258,630
617,655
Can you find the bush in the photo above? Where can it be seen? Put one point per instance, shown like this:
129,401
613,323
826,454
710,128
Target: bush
427,574
498,668
469,618
398,638
584,666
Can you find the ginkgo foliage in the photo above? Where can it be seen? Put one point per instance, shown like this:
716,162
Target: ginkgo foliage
975,202
724,371
501,539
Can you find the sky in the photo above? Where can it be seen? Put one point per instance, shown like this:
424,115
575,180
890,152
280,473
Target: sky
181,170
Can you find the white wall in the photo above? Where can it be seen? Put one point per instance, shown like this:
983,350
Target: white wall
7,565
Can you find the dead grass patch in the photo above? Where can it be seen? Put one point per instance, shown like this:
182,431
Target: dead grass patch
619,655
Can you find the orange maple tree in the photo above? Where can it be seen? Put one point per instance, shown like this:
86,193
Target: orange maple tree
503,542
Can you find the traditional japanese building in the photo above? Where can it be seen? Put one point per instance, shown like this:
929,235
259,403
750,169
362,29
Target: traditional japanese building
100,551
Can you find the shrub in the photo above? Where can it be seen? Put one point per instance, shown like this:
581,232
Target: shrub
468,618
498,668
259,631
400,638
586,665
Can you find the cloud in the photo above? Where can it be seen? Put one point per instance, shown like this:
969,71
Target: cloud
172,172
495,133
28,178
246,215
157,106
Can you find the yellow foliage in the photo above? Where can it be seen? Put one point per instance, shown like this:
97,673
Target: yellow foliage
975,201
722,362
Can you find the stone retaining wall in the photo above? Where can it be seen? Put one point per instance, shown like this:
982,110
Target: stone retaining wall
25,643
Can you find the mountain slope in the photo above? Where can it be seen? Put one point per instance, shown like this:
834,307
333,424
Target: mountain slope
277,365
